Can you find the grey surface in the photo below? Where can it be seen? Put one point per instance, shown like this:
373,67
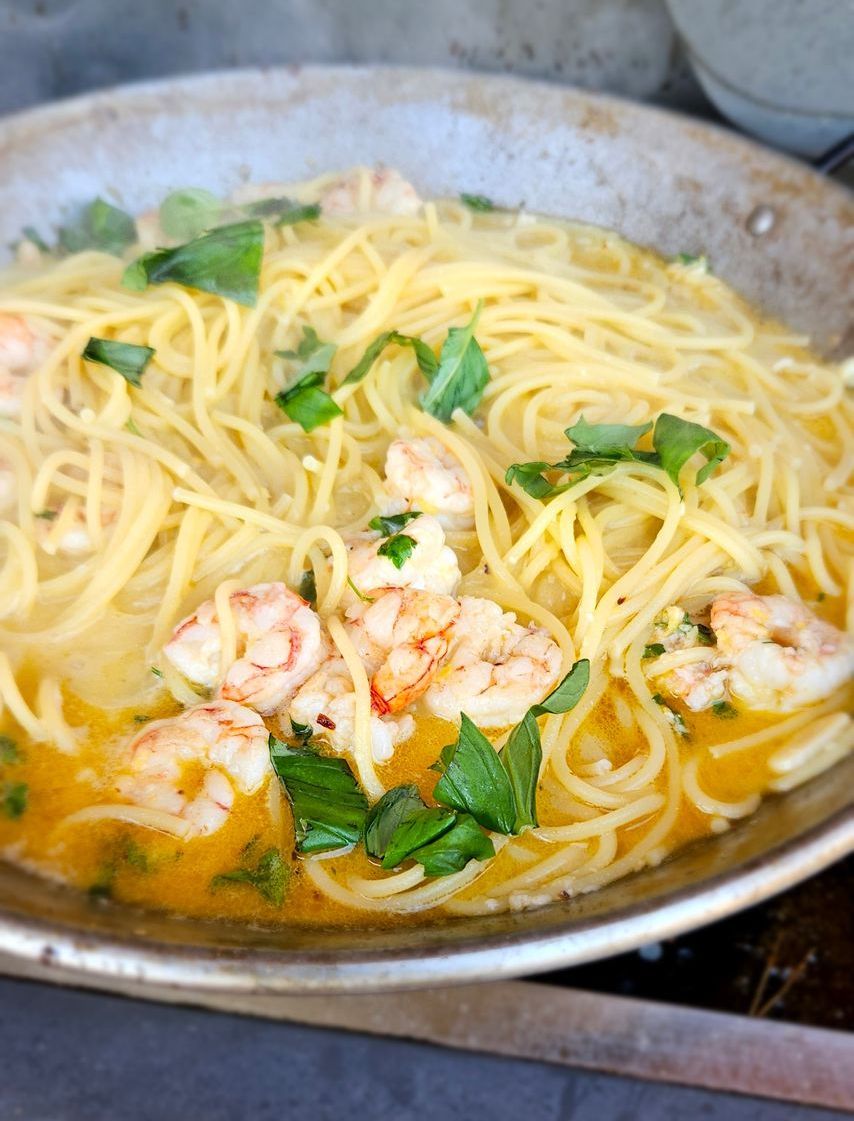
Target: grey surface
69,1056
53,48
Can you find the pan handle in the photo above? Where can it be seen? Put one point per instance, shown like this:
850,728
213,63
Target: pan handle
836,157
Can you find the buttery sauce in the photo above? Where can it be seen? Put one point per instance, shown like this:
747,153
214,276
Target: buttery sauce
133,865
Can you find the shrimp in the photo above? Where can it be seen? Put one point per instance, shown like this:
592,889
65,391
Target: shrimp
22,349
497,668
772,654
230,743
383,190
423,475
431,564
280,644
327,702
402,637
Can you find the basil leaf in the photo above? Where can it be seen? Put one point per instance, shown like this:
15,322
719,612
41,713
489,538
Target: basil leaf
126,359
675,718
307,404
225,262
398,549
568,691
361,595
99,226
187,213
269,877
282,211
724,710
424,356
522,755
313,355
31,234
136,856
302,732
395,806
477,202
475,781
462,375
290,212
676,440
13,801
689,259
608,440
653,650
452,851
705,635
9,750
530,478
400,823
328,804
308,587
387,524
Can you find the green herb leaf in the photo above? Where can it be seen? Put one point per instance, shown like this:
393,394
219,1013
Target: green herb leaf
141,718
46,515
462,375
475,781
522,755
530,478
9,751
361,595
396,806
329,806
157,672
225,262
136,856
452,851
387,524
568,691
307,404
675,718
615,440
305,401
187,213
302,732
688,259
126,359
676,440
13,802
654,650
99,226
308,587
705,635
424,356
30,233
269,877
400,823
724,710
288,212
477,202
398,549
314,355
600,447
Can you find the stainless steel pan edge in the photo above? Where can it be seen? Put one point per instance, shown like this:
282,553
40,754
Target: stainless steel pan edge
660,179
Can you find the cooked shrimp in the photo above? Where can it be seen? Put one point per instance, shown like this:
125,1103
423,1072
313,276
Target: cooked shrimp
327,702
280,644
230,743
422,474
497,668
772,654
383,190
431,564
402,637
22,348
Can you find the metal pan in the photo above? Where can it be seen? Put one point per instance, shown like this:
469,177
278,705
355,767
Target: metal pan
771,227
